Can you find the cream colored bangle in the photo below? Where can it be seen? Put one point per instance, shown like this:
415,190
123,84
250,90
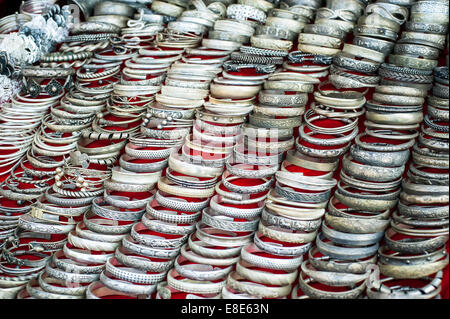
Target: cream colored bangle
346,26
176,102
207,148
165,8
236,92
91,244
319,40
201,248
314,49
258,4
196,69
288,24
295,212
399,90
278,201
275,111
177,164
194,286
265,42
128,90
337,102
363,52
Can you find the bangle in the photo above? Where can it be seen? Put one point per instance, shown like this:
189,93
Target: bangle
363,52
222,238
382,291
351,293
292,25
239,27
286,235
246,13
204,249
216,220
332,278
412,62
239,283
124,286
264,277
275,32
198,272
266,42
193,257
167,187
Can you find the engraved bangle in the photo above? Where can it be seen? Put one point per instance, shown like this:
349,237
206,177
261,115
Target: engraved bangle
351,239
155,241
278,250
265,42
156,252
199,272
234,212
286,235
243,269
429,291
193,286
193,257
126,287
214,219
286,264
241,284
130,275
204,249
412,62
345,253
351,293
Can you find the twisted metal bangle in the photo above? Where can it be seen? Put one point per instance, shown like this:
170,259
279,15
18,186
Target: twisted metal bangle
301,57
430,123
263,52
259,68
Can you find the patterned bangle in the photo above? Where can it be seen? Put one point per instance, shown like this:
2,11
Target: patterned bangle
259,68
89,37
244,12
66,56
255,59
301,57
430,123
263,52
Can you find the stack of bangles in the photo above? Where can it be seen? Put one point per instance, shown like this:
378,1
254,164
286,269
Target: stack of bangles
225,149
415,244
193,174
